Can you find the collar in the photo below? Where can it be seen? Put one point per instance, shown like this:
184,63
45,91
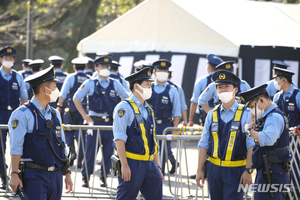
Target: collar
138,102
80,71
157,84
291,90
58,70
233,108
113,73
211,73
101,81
4,73
27,70
88,70
39,107
269,109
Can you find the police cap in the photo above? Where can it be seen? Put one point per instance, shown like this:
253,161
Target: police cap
103,60
283,72
141,64
162,64
8,51
80,62
41,77
56,60
144,74
224,77
213,60
26,62
250,94
280,64
226,65
36,64
114,65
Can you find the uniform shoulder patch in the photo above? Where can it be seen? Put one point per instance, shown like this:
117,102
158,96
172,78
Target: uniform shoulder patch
207,88
14,123
121,112
82,86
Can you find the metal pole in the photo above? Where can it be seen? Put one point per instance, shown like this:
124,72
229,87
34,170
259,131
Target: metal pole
29,49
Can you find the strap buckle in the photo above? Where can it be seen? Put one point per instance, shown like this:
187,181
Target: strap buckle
159,121
51,169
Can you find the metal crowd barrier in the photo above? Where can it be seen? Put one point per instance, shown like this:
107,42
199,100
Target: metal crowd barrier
181,146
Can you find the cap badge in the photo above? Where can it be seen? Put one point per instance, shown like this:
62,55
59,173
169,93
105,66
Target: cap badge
242,98
9,50
222,76
149,73
106,60
163,64
227,66
53,71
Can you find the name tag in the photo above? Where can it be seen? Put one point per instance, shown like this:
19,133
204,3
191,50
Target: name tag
291,107
15,86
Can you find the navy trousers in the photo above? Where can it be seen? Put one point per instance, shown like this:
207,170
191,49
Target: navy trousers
145,177
107,148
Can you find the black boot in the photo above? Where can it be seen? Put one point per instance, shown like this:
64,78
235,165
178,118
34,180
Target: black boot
173,162
73,155
79,162
3,180
85,181
103,180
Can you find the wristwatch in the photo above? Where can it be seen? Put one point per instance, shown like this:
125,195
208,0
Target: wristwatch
249,170
248,132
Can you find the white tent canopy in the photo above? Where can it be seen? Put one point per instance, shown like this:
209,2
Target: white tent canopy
200,27
157,25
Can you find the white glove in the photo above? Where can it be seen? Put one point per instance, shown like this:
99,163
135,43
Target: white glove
90,131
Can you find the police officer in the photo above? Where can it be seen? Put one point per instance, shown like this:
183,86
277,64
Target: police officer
165,102
103,94
57,61
288,101
71,115
12,92
26,69
37,140
200,85
271,89
114,73
89,67
271,152
225,143
35,66
211,93
134,122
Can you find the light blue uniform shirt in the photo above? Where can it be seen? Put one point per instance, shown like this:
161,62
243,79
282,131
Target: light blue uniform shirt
199,87
226,116
273,128
68,84
174,97
126,120
19,77
89,89
289,94
271,88
124,83
183,106
211,92
95,75
26,125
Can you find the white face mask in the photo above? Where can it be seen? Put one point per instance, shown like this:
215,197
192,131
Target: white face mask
7,64
276,85
162,76
147,92
225,97
104,72
54,95
259,113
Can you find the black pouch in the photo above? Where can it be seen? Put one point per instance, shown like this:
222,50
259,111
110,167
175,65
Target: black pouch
286,166
205,169
65,167
116,164
21,170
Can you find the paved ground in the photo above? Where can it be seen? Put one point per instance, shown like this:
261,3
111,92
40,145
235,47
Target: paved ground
188,190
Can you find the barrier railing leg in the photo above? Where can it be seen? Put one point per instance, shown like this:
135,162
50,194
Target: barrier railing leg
4,161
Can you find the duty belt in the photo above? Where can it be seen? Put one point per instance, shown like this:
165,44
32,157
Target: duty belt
101,119
225,163
36,166
159,121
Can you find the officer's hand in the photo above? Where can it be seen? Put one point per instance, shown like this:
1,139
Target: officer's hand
58,109
162,176
69,183
246,179
200,177
126,173
191,123
184,123
14,182
247,126
88,119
